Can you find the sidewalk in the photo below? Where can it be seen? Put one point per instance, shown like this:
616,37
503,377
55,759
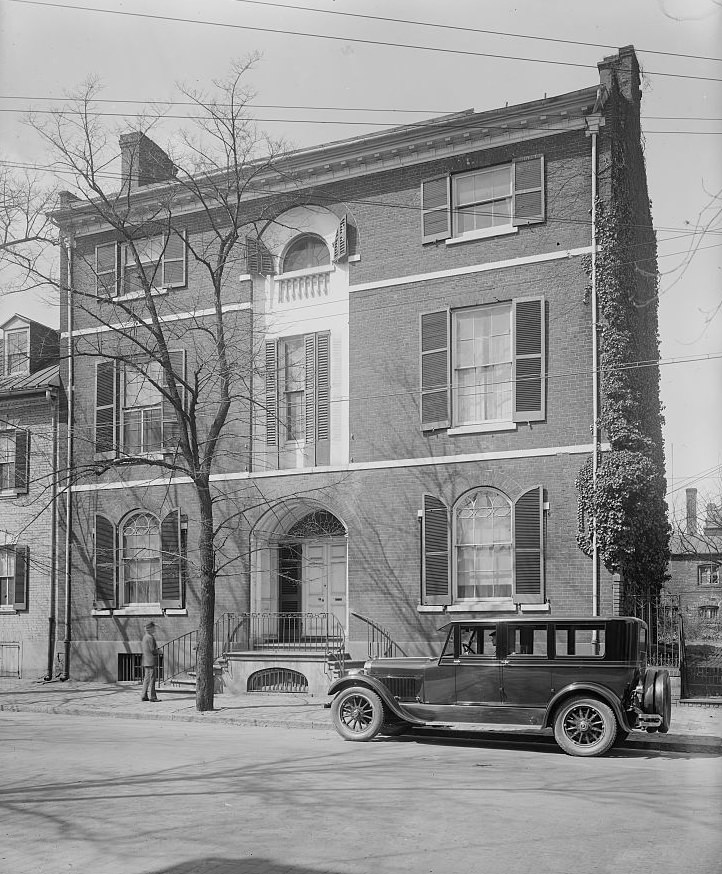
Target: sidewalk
694,728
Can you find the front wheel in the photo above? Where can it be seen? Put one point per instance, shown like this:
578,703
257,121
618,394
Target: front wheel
357,713
585,727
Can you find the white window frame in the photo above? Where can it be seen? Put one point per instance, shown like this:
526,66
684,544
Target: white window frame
10,487
502,599
481,425
492,230
712,571
6,351
124,601
7,583
283,394
145,410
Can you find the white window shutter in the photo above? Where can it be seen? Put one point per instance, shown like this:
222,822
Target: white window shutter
528,205
436,209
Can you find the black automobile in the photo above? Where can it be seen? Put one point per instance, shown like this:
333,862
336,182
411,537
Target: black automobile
587,679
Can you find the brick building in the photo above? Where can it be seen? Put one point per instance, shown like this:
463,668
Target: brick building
414,329
30,411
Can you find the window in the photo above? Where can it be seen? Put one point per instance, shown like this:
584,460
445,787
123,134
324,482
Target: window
482,545
163,264
17,351
297,394
708,575
140,561
132,411
527,640
481,199
485,547
483,366
483,202
709,612
14,461
14,563
305,253
482,362
142,409
572,641
476,640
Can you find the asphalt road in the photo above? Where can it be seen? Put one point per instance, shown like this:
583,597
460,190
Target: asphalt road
118,796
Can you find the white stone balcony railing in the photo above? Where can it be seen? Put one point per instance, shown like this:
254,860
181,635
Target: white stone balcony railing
297,287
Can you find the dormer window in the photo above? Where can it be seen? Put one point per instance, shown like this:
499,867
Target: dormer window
17,351
305,253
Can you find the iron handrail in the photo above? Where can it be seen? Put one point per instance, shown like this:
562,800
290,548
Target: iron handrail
379,643
179,654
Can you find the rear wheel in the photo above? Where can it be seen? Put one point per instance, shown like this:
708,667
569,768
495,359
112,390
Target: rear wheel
585,727
357,713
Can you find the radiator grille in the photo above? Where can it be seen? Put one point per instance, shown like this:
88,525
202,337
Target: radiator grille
403,688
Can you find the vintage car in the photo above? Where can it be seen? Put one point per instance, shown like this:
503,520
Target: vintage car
586,678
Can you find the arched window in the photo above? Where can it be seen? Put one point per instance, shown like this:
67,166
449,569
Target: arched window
141,559
321,523
483,545
306,252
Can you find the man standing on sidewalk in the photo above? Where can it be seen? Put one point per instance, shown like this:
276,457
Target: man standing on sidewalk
149,648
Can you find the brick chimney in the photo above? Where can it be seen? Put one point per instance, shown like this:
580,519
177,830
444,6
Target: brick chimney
143,161
622,69
691,511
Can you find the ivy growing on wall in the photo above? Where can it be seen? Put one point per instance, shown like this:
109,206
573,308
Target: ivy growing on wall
627,506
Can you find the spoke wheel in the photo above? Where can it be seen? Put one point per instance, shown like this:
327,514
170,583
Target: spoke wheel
357,713
585,727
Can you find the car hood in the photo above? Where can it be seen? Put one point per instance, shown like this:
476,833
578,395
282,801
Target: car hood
385,667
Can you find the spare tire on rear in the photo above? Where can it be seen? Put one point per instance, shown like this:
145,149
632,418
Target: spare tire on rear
663,699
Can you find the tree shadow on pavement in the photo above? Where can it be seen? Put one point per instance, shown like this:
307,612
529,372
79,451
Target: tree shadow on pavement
251,865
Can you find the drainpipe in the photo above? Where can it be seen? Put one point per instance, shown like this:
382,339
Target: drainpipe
69,461
594,122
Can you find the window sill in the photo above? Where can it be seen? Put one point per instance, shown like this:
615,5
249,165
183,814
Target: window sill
136,295
490,605
487,233
133,610
536,608
176,611
488,428
427,608
11,493
8,610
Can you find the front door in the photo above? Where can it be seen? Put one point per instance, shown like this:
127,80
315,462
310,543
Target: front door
478,669
323,583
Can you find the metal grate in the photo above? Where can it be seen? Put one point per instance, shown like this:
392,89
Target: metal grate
403,688
130,667
277,680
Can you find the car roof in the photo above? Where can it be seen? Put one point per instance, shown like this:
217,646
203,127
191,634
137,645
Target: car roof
540,620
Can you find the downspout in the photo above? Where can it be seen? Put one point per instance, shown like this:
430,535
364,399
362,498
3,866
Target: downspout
69,461
594,122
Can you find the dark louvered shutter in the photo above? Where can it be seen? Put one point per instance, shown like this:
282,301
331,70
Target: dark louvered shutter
529,547
174,261
529,360
271,393
435,209
171,589
259,260
22,461
106,406
435,370
435,576
171,428
323,404
105,563
2,357
309,342
107,270
340,243
528,197
22,569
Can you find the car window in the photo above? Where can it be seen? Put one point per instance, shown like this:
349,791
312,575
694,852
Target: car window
478,640
528,640
571,641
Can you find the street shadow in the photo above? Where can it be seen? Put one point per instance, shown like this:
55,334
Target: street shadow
672,748
255,865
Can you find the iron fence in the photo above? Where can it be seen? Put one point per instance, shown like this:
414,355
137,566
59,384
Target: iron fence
661,613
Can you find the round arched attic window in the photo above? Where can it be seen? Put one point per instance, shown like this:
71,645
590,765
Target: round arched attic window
306,252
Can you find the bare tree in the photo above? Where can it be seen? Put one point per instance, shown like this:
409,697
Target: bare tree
203,367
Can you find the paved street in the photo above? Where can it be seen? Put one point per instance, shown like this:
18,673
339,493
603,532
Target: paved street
92,794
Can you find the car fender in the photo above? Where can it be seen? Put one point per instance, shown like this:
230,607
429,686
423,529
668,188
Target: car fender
595,691
378,687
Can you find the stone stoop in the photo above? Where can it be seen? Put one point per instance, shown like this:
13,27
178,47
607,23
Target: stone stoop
278,670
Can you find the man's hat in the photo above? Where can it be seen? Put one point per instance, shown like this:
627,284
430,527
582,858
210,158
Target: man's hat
150,624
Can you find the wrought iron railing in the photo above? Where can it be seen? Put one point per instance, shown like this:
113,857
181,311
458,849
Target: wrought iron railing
661,613
179,654
379,643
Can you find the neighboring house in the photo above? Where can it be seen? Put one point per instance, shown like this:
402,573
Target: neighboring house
29,417
423,405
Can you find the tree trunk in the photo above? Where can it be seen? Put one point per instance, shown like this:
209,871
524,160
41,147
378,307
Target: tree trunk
204,653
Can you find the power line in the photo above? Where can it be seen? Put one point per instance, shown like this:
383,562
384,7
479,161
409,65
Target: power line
345,39
416,23
50,168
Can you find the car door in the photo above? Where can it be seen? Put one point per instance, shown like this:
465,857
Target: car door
478,669
526,669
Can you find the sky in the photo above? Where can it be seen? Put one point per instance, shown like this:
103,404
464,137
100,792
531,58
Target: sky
48,49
